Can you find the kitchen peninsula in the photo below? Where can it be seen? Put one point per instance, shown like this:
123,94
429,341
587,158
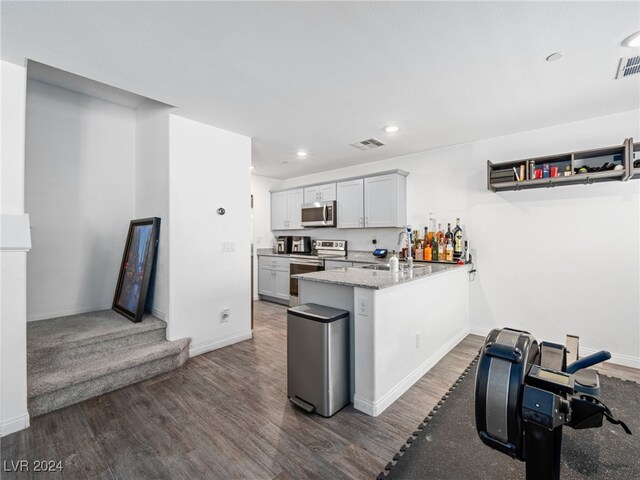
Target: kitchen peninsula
401,323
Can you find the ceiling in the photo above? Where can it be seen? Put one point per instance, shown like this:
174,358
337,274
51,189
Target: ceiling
322,75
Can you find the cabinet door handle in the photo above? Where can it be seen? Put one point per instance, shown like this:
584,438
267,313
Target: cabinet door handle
366,221
361,221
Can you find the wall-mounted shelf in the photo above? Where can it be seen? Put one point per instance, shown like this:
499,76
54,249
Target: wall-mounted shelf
634,153
522,174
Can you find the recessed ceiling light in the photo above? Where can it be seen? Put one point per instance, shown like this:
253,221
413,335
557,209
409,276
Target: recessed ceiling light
555,56
301,153
391,128
632,40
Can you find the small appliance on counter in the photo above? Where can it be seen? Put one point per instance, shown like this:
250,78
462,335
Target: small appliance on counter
319,214
281,244
299,245
380,252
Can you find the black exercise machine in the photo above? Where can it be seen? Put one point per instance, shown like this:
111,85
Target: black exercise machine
525,393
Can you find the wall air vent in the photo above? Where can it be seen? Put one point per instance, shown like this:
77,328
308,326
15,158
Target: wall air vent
369,144
628,66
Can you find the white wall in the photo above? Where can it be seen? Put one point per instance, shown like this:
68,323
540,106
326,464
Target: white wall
152,192
261,218
209,168
552,261
79,191
13,265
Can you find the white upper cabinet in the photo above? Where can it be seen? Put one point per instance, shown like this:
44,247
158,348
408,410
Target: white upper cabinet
385,201
349,205
286,210
320,193
372,202
294,208
279,211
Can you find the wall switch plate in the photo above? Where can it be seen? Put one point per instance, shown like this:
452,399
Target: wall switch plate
228,247
418,338
224,316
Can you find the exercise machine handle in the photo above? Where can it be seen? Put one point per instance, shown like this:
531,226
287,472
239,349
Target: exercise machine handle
589,361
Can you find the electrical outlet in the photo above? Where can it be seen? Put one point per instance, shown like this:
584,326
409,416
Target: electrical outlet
363,307
228,247
224,316
418,338
374,240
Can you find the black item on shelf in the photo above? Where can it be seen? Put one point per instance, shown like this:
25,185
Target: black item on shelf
499,176
603,168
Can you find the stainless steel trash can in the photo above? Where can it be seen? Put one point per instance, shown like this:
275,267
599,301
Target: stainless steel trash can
318,358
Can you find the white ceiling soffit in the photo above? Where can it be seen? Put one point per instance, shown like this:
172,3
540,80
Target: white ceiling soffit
76,83
321,76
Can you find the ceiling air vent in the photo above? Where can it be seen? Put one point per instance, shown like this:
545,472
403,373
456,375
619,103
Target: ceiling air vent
369,144
628,66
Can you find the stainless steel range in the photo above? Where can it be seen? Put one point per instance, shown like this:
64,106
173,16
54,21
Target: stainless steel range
314,262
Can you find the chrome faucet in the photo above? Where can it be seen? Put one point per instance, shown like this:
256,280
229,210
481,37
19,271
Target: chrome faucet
406,234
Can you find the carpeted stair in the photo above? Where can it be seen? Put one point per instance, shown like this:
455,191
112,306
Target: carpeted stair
70,359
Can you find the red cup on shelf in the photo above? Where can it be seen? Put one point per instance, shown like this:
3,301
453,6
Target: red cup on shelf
538,173
554,171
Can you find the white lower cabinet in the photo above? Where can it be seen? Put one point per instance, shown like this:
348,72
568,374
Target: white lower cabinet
273,278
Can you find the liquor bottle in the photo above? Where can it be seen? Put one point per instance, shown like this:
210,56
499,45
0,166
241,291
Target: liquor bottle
448,237
448,251
427,235
440,234
441,256
434,249
419,251
427,252
458,246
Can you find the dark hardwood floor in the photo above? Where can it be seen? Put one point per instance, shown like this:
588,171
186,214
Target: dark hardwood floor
225,415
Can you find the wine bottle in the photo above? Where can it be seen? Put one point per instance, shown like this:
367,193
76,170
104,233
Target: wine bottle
458,246
434,249
448,237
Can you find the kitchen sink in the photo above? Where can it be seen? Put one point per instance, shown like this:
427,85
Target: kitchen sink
377,266
385,267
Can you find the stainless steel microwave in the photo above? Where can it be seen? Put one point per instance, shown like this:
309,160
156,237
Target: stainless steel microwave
319,214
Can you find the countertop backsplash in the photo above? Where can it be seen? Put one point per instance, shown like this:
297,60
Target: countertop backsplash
357,238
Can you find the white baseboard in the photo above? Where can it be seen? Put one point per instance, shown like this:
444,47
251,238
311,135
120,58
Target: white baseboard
616,358
157,313
376,408
483,332
221,342
256,297
14,424
65,313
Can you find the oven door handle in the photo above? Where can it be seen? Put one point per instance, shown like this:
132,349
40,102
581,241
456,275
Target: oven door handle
324,214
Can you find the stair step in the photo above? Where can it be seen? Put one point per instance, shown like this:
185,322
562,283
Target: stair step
81,370
56,388
56,341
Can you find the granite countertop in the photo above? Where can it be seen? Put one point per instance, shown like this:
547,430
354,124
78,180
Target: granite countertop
376,279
